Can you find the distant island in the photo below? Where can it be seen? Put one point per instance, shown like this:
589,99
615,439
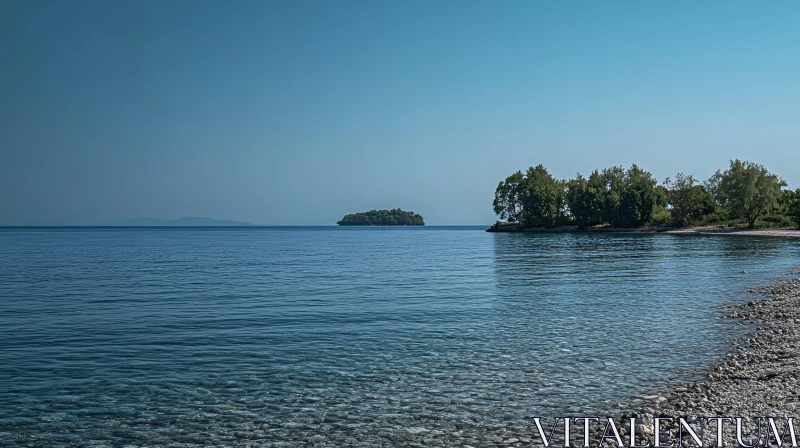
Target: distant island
394,217
180,222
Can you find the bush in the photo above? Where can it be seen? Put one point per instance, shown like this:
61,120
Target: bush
775,221
661,217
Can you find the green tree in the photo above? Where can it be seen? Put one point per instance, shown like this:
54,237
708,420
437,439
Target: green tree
540,198
629,197
638,199
661,215
614,184
746,190
689,201
394,217
790,201
507,197
661,197
561,203
535,198
584,199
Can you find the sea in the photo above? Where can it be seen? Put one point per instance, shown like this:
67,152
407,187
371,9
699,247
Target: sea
354,336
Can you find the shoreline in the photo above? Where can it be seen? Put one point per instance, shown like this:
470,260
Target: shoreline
700,230
782,233
759,377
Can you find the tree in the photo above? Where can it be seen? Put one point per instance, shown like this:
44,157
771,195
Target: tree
394,217
507,197
614,183
535,198
584,199
561,203
540,198
790,200
629,198
746,190
689,201
661,215
638,199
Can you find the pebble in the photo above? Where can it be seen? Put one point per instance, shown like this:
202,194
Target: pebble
769,355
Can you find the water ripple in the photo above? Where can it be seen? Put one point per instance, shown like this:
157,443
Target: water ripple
361,337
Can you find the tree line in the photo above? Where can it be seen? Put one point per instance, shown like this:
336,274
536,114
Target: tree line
395,217
745,193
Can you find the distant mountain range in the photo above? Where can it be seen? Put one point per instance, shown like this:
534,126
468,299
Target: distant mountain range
180,222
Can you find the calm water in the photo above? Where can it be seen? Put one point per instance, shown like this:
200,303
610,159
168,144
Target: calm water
350,337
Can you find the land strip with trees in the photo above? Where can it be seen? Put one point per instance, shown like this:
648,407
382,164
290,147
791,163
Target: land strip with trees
746,194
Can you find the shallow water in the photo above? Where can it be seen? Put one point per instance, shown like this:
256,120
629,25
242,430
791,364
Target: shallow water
350,336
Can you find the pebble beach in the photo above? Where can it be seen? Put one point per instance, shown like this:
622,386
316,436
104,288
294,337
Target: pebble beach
760,377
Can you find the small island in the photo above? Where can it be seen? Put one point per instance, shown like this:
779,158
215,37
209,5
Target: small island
394,217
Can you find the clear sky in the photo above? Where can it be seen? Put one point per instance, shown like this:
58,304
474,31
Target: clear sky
300,112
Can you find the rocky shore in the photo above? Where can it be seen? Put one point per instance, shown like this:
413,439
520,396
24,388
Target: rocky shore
786,233
759,377
704,230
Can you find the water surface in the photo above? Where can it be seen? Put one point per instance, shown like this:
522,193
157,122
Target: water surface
350,336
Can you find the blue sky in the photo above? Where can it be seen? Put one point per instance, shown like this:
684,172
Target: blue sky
300,112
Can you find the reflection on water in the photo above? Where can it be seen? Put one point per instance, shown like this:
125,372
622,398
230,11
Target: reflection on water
362,337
